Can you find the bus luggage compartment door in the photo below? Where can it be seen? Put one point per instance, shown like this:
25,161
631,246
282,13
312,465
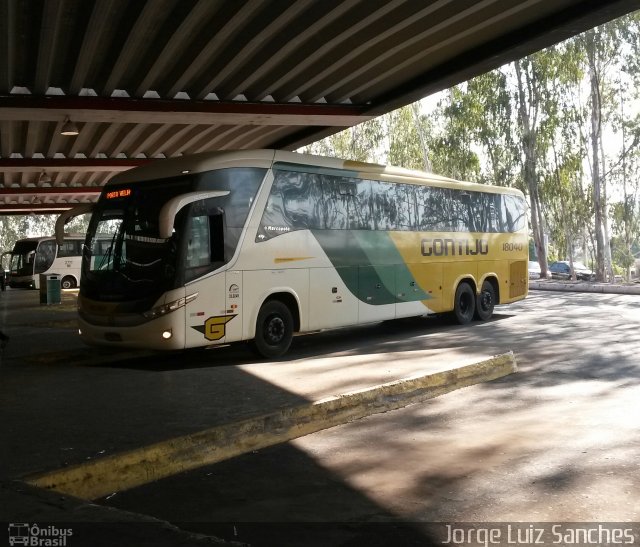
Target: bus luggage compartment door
518,278
332,297
376,293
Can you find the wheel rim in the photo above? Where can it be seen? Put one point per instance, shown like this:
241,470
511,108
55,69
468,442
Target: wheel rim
274,330
486,301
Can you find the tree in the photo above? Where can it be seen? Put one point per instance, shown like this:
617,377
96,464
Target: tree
490,116
605,48
595,138
452,146
625,213
407,134
531,74
359,143
13,228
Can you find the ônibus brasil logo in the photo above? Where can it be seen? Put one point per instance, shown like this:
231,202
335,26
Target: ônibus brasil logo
38,536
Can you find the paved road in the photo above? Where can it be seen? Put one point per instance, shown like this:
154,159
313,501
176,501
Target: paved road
558,441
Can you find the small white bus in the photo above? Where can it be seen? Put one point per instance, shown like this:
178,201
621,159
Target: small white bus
33,256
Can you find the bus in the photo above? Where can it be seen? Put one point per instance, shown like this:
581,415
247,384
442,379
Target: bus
260,245
33,256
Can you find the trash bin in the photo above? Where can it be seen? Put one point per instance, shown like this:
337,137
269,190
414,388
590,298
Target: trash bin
50,289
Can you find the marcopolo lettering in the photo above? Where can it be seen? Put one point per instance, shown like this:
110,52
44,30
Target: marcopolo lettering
454,247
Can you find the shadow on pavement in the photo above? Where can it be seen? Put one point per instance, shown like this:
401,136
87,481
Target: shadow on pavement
276,496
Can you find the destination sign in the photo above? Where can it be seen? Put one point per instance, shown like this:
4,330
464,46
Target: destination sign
122,193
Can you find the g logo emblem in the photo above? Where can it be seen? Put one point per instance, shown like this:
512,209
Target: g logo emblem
214,327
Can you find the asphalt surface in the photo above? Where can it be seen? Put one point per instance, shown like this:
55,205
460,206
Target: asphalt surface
66,403
558,441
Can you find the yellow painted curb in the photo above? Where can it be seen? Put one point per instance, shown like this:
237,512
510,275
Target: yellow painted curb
119,472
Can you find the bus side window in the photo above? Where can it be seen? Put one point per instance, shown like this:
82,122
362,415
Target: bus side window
199,245
45,256
216,233
435,209
513,213
71,247
385,212
206,245
335,204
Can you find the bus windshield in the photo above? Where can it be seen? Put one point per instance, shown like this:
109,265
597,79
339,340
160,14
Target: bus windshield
124,257
127,259
30,257
23,258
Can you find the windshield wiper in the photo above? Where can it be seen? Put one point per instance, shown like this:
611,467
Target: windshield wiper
107,257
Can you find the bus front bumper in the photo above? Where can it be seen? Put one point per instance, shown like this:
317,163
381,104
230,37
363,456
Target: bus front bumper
163,333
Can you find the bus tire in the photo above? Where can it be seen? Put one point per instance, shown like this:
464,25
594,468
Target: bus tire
274,329
485,301
464,306
68,282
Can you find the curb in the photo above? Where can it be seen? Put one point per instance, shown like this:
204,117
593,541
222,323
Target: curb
98,478
601,288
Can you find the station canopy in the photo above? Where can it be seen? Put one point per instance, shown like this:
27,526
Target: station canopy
141,80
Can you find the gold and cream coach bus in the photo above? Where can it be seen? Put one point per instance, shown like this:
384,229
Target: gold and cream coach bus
258,245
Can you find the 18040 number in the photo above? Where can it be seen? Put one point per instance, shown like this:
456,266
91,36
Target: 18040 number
512,246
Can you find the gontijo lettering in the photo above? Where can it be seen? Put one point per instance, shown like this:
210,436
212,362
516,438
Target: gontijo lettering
453,247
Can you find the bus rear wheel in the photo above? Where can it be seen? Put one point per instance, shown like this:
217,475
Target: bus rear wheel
68,282
486,301
465,304
274,329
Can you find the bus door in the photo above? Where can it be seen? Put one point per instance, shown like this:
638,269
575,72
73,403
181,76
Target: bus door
232,319
207,314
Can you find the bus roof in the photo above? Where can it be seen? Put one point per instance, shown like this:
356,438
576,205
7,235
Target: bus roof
45,238
198,163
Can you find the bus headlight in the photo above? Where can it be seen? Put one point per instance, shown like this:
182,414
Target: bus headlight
159,311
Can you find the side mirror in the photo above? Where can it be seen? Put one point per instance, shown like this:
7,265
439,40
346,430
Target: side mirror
65,217
170,209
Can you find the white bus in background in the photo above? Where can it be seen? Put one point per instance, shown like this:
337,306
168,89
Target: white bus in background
33,256
257,245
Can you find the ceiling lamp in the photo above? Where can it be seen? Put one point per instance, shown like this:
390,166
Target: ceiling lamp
69,128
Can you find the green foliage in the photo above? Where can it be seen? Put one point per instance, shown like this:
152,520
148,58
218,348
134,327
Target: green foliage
452,151
13,228
529,125
358,143
407,133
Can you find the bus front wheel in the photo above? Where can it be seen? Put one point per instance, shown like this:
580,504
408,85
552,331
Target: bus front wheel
486,301
465,304
274,329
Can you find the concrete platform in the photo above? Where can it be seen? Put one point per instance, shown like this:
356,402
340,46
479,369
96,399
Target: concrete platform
557,441
72,411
